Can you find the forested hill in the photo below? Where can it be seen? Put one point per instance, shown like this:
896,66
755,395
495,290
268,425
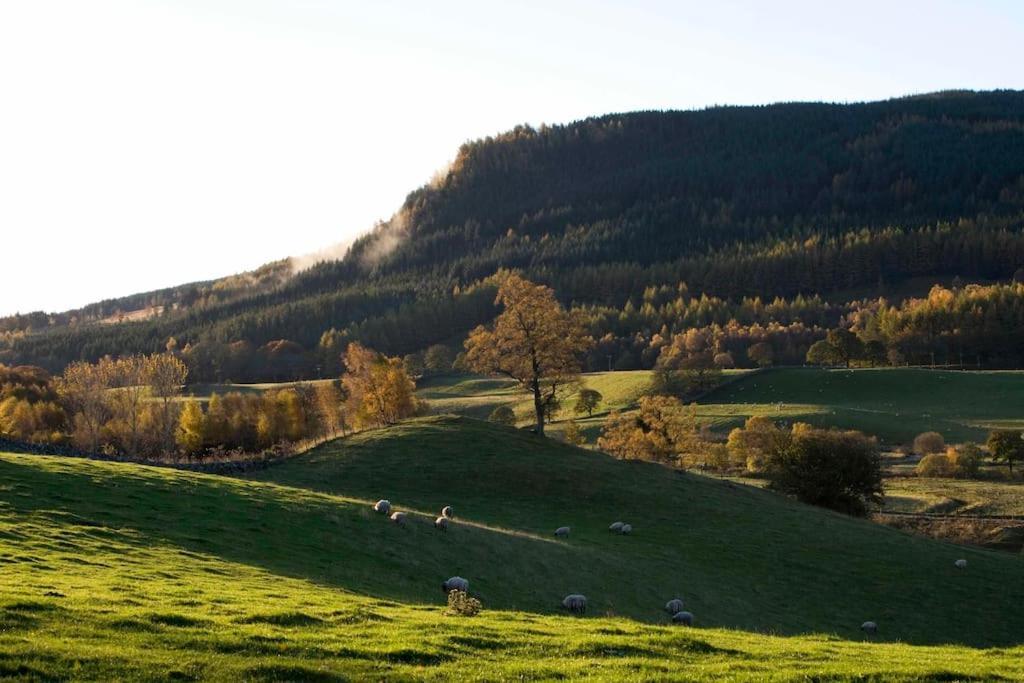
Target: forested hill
788,200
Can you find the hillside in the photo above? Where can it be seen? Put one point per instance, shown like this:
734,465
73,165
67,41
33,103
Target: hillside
895,404
128,572
743,558
787,200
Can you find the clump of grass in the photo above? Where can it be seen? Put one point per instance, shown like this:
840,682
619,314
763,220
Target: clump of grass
460,604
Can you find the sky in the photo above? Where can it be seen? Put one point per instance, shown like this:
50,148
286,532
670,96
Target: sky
150,143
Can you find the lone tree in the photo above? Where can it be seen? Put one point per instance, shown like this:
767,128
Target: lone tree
1006,445
534,341
587,401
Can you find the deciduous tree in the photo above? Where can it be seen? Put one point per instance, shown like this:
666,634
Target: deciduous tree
533,341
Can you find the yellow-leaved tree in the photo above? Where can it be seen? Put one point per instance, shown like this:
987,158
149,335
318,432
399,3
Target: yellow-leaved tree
380,391
534,341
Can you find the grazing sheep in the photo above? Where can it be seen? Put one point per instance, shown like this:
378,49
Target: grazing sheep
869,627
615,528
446,511
398,518
441,524
456,583
674,606
684,618
562,532
575,603
382,506
626,529
960,564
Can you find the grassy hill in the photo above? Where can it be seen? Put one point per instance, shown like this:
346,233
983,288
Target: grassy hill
894,404
133,572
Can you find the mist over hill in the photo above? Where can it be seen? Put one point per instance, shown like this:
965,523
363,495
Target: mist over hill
802,201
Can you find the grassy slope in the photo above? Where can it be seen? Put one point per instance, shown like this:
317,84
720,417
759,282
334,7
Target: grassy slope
125,571
893,403
744,558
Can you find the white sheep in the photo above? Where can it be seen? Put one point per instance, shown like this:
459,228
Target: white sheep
684,618
615,528
446,511
455,583
626,529
869,627
382,506
398,518
562,532
960,564
674,606
575,603
441,524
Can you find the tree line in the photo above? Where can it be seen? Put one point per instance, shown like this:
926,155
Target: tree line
133,406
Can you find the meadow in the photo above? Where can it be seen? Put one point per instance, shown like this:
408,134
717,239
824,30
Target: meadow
123,571
894,404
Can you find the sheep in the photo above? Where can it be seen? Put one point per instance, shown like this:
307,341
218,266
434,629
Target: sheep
615,528
684,618
446,512
398,518
562,532
960,564
626,529
575,603
869,627
441,524
382,506
455,583
674,606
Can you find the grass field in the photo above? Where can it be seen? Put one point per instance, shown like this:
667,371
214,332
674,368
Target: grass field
894,404
955,496
120,571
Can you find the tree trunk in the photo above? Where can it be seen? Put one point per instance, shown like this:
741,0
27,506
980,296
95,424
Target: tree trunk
538,407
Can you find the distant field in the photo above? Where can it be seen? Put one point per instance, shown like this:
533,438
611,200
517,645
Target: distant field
894,404
954,496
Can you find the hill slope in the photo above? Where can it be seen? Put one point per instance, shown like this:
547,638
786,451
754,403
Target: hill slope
120,571
743,558
734,201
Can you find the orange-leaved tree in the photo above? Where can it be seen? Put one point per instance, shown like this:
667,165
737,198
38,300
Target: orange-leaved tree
534,341
380,392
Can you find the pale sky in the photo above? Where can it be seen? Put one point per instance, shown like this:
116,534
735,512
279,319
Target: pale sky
150,143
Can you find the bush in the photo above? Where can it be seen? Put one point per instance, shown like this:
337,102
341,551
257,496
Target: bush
928,443
965,459
837,470
461,605
935,465
573,434
503,415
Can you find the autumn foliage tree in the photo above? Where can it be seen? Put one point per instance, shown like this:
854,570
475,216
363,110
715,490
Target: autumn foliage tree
660,430
380,391
534,341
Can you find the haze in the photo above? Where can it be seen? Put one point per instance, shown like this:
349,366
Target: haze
146,144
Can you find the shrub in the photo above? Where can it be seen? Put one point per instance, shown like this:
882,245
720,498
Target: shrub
833,469
929,442
503,415
573,434
748,447
461,605
935,465
965,459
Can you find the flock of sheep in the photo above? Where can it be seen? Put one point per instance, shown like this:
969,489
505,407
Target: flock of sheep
575,603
